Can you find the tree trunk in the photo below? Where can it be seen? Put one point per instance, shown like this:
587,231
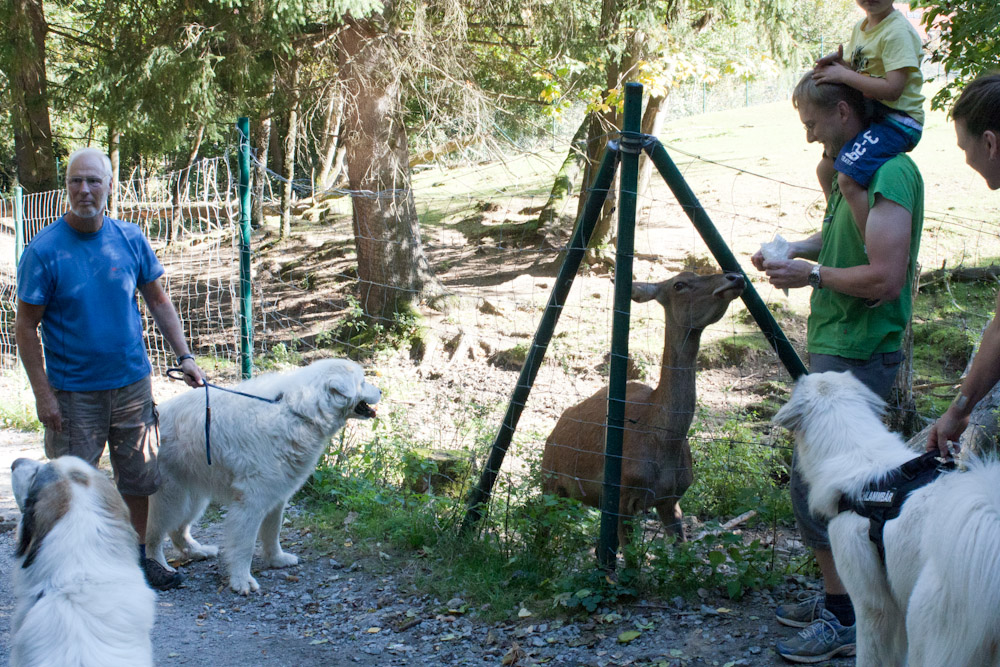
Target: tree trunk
601,126
288,162
652,124
566,177
393,271
337,173
114,154
902,415
29,97
261,131
330,141
180,188
276,148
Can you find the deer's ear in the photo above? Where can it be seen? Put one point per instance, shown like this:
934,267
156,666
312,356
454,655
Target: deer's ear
643,292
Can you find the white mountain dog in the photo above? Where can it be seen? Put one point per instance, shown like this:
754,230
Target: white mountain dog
261,453
934,599
81,596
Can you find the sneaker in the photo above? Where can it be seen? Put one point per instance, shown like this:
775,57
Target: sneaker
824,639
803,612
160,577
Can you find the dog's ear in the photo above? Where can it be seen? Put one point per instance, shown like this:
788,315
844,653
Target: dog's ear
790,415
38,517
793,412
344,384
334,388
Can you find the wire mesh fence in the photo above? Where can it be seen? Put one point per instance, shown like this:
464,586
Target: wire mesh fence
479,233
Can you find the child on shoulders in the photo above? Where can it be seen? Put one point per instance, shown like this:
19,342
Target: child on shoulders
885,53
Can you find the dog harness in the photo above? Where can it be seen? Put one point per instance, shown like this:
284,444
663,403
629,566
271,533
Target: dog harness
883,500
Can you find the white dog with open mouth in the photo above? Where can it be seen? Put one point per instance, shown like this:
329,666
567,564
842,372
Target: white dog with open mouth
936,600
261,454
81,596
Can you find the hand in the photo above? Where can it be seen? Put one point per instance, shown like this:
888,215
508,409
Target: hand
788,273
832,73
47,408
193,375
948,427
757,259
831,58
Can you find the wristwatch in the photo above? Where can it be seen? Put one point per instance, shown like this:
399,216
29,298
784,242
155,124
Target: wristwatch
815,280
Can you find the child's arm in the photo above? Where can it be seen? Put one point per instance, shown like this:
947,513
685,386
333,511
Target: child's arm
889,88
830,59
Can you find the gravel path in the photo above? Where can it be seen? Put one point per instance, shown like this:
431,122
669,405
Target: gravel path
329,612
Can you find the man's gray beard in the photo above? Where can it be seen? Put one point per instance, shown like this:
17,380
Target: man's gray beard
93,211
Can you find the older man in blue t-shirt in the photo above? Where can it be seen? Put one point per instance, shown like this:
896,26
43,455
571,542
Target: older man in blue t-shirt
78,278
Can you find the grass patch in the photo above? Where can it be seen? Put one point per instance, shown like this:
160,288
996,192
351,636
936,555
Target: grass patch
948,320
736,350
17,405
18,414
531,550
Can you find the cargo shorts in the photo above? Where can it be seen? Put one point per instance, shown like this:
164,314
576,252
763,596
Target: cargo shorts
878,374
125,419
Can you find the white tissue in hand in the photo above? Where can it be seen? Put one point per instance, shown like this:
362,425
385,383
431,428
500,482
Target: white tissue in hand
776,248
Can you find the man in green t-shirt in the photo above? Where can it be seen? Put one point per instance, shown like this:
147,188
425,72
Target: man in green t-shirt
861,276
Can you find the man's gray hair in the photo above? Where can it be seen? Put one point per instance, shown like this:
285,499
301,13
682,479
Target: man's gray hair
826,95
105,160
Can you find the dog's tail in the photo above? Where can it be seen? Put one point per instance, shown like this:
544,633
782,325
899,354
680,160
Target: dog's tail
962,544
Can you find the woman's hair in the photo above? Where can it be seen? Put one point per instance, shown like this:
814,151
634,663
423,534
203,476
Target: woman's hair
979,105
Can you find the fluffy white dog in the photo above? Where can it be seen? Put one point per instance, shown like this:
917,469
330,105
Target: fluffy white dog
935,601
81,596
261,454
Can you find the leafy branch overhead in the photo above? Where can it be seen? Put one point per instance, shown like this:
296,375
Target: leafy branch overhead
963,37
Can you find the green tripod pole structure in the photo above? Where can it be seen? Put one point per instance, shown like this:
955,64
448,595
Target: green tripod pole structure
560,290
631,146
724,256
246,290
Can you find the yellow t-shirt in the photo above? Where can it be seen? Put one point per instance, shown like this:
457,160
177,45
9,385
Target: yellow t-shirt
892,44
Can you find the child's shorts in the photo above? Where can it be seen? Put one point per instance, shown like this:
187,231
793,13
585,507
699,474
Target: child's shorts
862,156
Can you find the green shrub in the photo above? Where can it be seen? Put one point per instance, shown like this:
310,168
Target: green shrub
734,470
715,562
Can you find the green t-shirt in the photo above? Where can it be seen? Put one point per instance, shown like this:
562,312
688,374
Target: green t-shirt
840,324
892,44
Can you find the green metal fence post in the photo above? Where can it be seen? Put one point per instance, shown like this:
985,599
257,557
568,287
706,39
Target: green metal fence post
246,291
564,281
18,223
631,146
724,256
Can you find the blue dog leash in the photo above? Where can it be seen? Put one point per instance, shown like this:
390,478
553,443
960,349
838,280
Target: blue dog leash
178,374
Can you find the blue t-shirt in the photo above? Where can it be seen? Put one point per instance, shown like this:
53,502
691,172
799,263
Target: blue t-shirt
91,328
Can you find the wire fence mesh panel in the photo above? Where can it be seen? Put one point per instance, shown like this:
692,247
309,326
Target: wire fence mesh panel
188,217
8,285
